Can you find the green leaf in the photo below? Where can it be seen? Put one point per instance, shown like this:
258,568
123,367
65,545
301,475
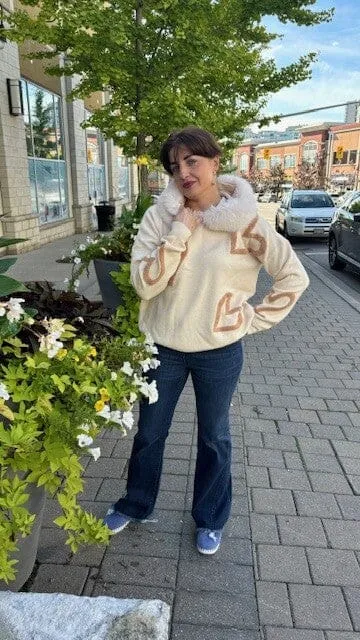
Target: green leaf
6,242
9,286
6,263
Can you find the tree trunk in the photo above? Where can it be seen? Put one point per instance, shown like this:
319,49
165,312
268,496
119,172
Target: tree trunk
142,168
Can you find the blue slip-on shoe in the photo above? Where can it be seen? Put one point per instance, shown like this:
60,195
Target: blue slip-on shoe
208,541
116,521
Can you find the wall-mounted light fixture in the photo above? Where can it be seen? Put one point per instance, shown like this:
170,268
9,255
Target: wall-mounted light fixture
16,106
2,28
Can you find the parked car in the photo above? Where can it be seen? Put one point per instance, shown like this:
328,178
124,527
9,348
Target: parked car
344,234
305,213
267,197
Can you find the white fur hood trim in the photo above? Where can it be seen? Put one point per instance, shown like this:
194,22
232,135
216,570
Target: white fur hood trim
229,215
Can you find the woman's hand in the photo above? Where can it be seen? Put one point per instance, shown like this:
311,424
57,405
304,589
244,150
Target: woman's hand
190,218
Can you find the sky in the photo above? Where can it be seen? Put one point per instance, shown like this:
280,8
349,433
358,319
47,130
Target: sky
336,74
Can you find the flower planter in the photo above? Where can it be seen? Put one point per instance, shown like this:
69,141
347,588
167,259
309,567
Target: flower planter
111,295
28,546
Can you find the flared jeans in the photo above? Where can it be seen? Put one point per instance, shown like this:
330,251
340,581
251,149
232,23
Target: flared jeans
214,375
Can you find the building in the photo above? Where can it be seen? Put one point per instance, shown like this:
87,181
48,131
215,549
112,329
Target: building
52,171
333,147
343,157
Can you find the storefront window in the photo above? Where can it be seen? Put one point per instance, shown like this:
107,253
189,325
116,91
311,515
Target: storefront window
261,163
310,150
275,161
45,144
244,162
289,161
123,178
95,163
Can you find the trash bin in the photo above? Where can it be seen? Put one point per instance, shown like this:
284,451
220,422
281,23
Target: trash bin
106,216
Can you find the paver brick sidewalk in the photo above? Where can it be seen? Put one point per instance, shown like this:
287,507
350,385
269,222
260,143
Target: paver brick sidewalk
300,401
297,413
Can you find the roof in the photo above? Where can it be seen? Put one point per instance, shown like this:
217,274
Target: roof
282,143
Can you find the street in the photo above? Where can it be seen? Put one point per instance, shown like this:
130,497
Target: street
317,251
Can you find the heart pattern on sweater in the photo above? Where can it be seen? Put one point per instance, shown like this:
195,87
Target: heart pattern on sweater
289,296
256,250
161,266
227,318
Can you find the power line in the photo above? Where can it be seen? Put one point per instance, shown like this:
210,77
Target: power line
331,106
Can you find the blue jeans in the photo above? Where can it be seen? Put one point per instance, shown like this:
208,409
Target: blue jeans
214,374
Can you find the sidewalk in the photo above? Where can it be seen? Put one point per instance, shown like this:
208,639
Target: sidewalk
288,568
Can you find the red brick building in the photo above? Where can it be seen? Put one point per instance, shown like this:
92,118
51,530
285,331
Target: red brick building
335,147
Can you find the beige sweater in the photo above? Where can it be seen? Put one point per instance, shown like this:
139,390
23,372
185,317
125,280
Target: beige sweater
195,286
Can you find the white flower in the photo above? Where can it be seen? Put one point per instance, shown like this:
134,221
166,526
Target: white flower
127,368
76,283
128,419
105,252
2,309
133,397
105,412
148,390
84,440
63,257
95,452
16,302
77,260
154,363
115,416
85,427
113,375
150,344
54,349
145,364
80,319
81,247
15,310
4,392
132,342
73,252
136,226
153,394
50,343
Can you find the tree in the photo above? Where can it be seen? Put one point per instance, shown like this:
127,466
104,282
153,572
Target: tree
311,175
256,179
43,127
167,63
274,179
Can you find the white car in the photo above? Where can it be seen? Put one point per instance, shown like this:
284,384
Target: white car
305,213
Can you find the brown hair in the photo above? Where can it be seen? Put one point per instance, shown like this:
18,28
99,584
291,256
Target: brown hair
198,141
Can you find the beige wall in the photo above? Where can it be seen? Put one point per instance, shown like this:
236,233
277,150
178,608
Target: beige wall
34,70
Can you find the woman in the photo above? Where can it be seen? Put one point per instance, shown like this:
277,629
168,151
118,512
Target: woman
195,263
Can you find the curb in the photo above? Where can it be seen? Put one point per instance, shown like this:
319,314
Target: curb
317,270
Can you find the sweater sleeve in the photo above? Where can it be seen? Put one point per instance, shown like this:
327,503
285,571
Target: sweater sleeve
156,257
281,262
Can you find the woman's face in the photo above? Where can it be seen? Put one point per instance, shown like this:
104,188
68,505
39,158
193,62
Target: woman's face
194,175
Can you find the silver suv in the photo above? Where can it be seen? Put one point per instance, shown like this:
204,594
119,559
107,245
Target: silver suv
305,213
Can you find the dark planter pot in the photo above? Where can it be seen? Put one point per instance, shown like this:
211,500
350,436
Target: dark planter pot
111,295
28,546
